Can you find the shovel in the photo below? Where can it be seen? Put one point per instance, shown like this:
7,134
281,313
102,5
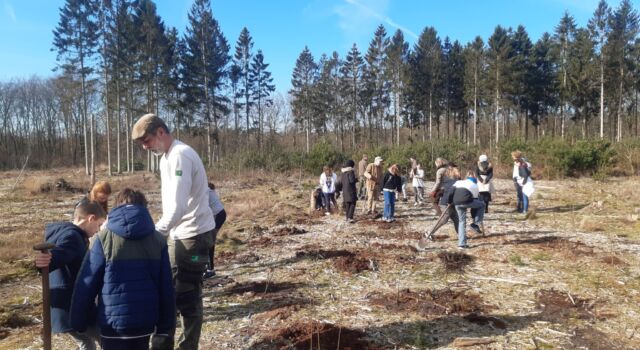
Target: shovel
428,236
46,304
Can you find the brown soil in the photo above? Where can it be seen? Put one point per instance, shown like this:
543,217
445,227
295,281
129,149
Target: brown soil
614,260
260,242
593,339
281,313
555,243
303,335
482,320
263,287
455,261
558,306
324,254
354,264
247,258
15,319
288,230
431,302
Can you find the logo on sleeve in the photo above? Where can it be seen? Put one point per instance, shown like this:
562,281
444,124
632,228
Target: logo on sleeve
178,172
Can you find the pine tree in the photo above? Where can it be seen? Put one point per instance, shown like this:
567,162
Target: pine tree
564,36
242,59
499,54
582,82
377,85
542,91
425,61
76,41
205,62
520,67
474,55
395,70
302,81
456,104
624,29
352,76
599,30
263,88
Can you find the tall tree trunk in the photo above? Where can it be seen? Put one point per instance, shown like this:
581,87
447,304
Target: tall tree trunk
601,97
93,149
620,103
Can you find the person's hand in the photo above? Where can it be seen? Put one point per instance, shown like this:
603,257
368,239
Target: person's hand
432,194
43,259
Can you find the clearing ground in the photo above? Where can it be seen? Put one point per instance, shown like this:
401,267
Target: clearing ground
565,277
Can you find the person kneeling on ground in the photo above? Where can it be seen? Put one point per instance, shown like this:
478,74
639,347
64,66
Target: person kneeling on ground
64,261
127,269
328,182
220,216
465,196
391,183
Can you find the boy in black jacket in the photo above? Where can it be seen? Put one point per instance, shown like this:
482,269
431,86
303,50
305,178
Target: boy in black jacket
391,183
464,195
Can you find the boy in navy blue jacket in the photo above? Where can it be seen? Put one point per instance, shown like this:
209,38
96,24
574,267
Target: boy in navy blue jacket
464,195
71,240
128,269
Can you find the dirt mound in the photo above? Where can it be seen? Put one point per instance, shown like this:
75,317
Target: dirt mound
305,335
431,302
591,338
555,243
246,258
224,256
354,264
558,306
260,242
324,254
482,320
262,287
15,319
455,261
278,314
385,247
288,231
613,260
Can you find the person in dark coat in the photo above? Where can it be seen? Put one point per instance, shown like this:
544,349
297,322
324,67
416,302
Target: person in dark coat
449,178
127,269
71,240
391,183
347,184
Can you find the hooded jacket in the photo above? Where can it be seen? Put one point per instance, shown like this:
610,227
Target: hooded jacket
127,267
71,245
463,192
348,185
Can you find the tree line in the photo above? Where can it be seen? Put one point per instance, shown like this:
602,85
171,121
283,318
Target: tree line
117,60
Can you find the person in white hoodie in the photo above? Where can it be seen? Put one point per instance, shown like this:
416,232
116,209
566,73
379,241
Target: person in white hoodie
186,220
328,182
418,184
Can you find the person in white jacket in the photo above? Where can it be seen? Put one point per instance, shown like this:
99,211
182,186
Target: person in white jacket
328,183
418,184
186,219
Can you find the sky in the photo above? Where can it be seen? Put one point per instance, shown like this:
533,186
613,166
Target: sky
282,28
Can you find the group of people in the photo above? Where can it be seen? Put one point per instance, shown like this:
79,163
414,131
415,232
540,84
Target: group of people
451,195
118,278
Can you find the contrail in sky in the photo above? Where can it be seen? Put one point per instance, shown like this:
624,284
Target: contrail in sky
382,17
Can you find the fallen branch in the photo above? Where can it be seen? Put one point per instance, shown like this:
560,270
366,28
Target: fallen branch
496,279
464,342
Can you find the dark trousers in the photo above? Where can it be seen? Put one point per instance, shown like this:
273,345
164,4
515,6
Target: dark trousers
486,198
141,343
220,218
189,259
349,209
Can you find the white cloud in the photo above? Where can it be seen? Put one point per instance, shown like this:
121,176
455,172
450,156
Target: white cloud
358,17
8,9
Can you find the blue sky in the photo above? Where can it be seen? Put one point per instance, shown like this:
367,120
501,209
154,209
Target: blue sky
282,28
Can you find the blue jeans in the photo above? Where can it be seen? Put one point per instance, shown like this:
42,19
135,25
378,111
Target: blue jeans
389,205
477,211
523,200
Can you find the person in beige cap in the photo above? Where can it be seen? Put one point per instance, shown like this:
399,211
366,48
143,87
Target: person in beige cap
186,219
374,174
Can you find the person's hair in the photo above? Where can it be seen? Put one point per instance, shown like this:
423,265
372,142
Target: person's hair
394,169
326,168
100,187
453,172
84,209
516,154
211,186
471,173
440,162
365,155
131,196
